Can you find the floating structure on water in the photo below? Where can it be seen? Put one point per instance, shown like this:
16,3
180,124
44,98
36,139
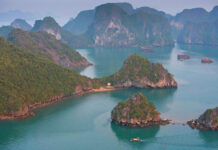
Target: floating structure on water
206,60
182,57
136,139
146,49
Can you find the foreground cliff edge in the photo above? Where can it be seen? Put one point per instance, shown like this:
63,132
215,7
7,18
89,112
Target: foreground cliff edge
137,112
207,121
28,82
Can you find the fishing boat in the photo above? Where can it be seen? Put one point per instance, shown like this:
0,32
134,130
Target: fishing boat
146,49
182,57
136,139
206,60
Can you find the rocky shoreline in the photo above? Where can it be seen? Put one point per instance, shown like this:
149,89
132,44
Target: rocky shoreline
207,121
141,124
194,124
136,111
154,77
27,110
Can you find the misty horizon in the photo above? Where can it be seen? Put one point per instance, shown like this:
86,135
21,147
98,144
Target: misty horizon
65,11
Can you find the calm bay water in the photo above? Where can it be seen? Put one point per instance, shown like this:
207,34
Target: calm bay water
84,122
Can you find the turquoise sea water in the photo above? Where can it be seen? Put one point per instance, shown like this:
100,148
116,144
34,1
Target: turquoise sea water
83,123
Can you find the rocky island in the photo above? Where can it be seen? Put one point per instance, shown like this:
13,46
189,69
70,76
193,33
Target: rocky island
137,112
138,72
29,80
207,121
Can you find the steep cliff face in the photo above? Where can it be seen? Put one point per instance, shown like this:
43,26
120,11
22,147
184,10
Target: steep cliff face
46,45
191,16
81,23
136,112
21,24
208,120
85,19
114,27
49,25
199,33
138,72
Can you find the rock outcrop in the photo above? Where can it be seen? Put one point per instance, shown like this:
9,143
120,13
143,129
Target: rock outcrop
21,24
137,112
116,25
138,72
184,21
207,121
81,23
49,25
46,45
204,33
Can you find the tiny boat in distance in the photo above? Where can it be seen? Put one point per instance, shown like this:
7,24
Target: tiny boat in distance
145,49
206,60
136,139
182,57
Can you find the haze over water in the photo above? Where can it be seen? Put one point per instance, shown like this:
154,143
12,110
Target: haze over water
84,122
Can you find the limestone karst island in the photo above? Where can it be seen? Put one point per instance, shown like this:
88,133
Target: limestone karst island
102,75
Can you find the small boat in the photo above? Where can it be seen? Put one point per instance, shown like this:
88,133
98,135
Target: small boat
182,56
206,60
136,139
144,49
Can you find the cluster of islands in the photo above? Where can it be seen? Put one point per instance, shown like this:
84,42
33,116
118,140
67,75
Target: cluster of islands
37,63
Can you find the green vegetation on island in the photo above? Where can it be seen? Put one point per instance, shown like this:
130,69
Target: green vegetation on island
46,45
26,79
138,72
208,120
136,111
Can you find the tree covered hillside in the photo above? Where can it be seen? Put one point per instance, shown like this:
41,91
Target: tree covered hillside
46,45
27,79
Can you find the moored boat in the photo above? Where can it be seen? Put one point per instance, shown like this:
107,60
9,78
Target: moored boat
136,139
182,56
206,60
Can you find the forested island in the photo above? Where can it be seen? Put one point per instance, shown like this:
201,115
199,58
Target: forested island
207,121
137,112
29,81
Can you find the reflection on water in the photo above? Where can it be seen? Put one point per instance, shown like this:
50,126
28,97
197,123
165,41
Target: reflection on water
203,51
162,98
109,60
124,134
209,137
84,122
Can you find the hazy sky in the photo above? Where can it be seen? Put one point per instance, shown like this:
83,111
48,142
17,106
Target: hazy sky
62,10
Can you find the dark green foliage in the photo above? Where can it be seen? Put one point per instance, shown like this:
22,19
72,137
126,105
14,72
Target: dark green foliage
122,105
27,79
136,107
216,120
135,67
43,44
